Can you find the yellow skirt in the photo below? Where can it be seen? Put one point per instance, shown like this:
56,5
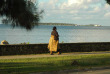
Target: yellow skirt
53,44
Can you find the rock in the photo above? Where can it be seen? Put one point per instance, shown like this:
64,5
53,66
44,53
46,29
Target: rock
4,42
74,63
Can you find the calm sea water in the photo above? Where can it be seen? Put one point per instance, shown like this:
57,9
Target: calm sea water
42,33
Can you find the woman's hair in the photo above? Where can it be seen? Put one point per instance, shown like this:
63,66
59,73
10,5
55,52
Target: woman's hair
54,28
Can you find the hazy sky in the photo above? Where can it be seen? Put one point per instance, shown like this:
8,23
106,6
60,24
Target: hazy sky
75,11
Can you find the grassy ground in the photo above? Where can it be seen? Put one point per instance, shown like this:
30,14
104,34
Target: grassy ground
33,65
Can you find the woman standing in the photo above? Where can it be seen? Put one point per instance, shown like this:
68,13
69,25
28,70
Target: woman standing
53,45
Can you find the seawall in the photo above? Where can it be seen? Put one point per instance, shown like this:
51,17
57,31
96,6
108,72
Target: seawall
22,49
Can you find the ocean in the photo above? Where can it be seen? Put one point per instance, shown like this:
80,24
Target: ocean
67,34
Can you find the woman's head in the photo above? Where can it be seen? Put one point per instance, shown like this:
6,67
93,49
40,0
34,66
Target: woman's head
54,28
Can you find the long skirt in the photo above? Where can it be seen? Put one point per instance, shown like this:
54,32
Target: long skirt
53,44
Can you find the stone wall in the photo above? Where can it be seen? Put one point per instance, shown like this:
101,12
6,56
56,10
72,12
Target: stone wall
23,49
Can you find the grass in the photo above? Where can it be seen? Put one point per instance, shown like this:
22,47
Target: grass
33,65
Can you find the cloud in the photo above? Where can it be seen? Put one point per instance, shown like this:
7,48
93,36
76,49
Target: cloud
75,10
107,14
70,2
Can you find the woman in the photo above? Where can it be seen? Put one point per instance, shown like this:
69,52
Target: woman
54,41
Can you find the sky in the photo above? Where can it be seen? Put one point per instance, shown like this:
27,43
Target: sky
81,12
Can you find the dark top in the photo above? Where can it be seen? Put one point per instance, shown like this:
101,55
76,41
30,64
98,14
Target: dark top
56,35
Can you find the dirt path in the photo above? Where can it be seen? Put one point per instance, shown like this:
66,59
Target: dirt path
97,70
105,71
48,55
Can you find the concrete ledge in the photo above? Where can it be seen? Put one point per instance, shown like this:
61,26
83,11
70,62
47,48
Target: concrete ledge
18,49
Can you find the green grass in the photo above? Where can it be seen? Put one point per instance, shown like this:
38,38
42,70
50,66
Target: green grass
33,65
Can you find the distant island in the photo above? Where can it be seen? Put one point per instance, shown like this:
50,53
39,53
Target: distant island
90,25
67,24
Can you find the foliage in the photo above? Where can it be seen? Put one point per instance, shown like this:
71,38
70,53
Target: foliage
20,13
108,1
25,43
33,65
62,42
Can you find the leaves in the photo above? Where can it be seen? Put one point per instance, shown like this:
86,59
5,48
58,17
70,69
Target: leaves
108,1
21,13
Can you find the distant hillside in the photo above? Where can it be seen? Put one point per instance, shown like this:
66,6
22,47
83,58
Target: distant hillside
67,24
57,24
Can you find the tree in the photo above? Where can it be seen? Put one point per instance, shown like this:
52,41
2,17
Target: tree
21,13
108,1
